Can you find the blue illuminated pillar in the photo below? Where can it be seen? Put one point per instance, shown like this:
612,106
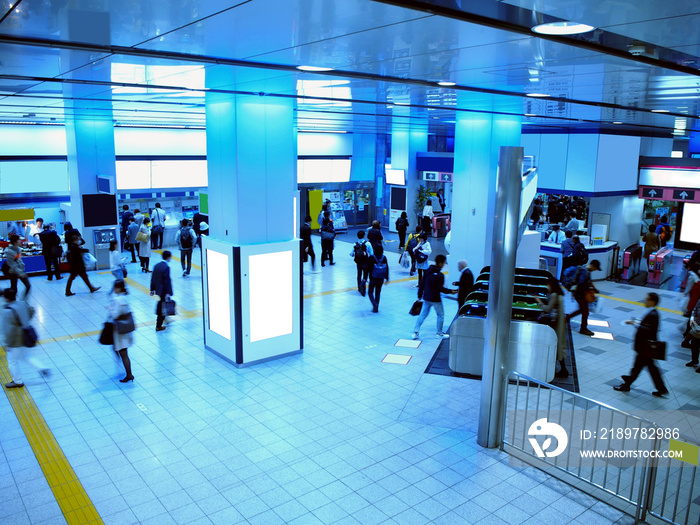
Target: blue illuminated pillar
251,262
478,137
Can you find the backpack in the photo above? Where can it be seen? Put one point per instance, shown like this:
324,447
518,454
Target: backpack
380,269
573,276
186,238
360,255
580,254
411,244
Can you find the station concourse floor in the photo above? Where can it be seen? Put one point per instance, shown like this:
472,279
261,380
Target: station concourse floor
333,435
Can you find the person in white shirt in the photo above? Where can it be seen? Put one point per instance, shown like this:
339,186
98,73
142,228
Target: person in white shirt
572,225
158,226
116,261
428,216
35,230
557,236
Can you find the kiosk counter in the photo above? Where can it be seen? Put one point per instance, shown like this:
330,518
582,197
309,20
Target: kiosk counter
551,252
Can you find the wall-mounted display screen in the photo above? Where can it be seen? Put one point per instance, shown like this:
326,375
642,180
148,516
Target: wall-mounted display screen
218,283
323,170
690,232
396,177
99,210
271,295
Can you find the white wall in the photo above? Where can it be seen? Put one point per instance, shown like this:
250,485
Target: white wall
626,217
310,144
618,163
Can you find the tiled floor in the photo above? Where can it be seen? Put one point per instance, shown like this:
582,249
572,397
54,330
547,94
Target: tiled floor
329,436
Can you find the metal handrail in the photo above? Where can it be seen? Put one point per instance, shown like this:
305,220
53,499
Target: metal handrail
644,502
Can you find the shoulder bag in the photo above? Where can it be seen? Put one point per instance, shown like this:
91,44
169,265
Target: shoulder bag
656,350
124,324
142,237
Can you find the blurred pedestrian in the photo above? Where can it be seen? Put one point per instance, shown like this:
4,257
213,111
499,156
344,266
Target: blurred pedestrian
118,308
16,317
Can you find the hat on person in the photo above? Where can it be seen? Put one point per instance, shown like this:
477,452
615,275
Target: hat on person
595,263
203,226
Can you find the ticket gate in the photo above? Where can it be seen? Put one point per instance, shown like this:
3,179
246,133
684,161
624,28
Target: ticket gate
660,266
631,262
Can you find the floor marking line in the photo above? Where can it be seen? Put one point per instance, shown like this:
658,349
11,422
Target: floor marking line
70,494
636,303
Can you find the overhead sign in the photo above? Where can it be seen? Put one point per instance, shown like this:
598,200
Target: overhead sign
431,175
684,195
669,194
445,177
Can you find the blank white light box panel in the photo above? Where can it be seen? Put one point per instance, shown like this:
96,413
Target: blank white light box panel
603,335
271,295
594,322
407,343
691,218
218,293
397,359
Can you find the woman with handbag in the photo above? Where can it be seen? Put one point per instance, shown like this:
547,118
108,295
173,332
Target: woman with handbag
77,267
123,320
327,236
553,315
144,238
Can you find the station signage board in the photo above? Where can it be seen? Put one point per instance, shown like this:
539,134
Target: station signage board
669,194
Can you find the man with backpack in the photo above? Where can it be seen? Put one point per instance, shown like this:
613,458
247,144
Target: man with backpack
411,244
378,269
361,252
577,280
185,239
580,254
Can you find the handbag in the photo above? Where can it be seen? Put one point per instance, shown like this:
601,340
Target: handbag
107,334
89,260
142,237
125,323
416,308
656,350
405,261
327,235
29,336
167,308
421,257
694,329
157,229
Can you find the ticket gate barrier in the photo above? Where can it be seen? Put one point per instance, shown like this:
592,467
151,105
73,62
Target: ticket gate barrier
660,266
631,262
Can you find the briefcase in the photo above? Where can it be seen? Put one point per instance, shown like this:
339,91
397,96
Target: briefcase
167,308
657,350
416,308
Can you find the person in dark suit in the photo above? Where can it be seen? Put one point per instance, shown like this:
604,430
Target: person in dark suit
305,235
162,286
465,283
51,250
648,331
126,215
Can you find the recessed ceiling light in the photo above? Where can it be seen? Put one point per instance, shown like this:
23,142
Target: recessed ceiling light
314,68
447,83
536,94
617,122
389,106
660,111
562,28
530,115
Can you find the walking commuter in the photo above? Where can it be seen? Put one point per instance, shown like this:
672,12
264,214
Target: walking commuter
305,235
72,235
116,262
132,231
198,218
692,341
126,216
13,256
465,283
431,286
158,222
578,279
556,318
144,238
411,243
119,307
16,316
422,253
361,252
441,199
185,240
401,228
374,235
692,289
327,236
652,244
647,331
428,215
77,267
378,269
52,251
162,286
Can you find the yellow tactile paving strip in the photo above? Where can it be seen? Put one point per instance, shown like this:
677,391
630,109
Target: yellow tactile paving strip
65,485
639,304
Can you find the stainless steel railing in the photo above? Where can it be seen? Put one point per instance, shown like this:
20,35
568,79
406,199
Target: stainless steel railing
662,487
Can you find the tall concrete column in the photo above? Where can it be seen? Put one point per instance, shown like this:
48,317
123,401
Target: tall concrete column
251,266
478,137
405,144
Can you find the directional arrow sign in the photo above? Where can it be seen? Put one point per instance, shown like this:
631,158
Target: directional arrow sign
683,195
653,193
